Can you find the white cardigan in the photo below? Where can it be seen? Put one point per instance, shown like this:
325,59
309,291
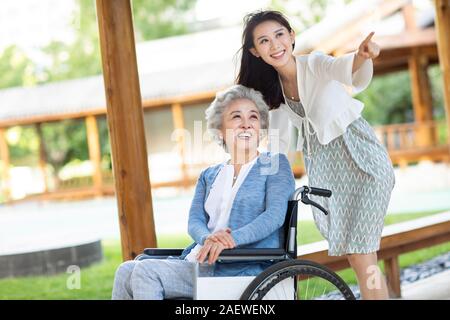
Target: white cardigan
325,85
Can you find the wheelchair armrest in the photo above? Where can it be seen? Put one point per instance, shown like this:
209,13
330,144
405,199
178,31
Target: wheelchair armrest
154,253
163,252
254,254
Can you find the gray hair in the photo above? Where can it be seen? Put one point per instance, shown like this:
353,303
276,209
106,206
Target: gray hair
214,113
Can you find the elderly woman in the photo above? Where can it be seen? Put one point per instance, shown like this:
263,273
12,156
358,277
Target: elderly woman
239,203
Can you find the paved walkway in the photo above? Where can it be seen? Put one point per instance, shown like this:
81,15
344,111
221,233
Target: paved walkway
34,226
436,287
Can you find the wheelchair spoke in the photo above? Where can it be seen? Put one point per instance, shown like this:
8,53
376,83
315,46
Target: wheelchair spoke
307,286
314,291
309,280
323,293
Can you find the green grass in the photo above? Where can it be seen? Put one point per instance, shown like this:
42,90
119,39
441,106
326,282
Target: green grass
97,280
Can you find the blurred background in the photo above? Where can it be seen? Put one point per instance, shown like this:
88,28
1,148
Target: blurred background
56,181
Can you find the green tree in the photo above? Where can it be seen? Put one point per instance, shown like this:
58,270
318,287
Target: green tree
388,99
16,68
155,19
23,145
78,59
66,140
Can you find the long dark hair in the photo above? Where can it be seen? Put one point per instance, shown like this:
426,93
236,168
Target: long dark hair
254,72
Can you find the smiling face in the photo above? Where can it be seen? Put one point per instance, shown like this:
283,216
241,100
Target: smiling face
273,43
241,125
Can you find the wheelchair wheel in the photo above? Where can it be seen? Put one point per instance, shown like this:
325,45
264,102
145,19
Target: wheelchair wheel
297,280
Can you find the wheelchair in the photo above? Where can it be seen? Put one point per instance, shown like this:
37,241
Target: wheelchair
286,279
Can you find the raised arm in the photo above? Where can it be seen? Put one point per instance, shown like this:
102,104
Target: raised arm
367,50
354,69
279,187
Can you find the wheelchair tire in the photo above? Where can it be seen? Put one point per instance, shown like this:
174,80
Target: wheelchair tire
278,272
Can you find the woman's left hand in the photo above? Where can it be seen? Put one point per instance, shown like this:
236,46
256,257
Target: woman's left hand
212,250
223,236
368,49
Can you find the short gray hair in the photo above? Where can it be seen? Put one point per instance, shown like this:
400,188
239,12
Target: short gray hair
214,113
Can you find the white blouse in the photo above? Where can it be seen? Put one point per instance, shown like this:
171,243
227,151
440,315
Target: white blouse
220,200
325,85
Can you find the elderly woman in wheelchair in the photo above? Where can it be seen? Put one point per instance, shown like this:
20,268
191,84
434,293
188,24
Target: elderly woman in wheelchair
242,218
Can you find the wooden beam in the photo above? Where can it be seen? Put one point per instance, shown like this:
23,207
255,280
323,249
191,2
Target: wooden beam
442,22
166,102
42,155
352,29
404,40
94,152
4,154
126,127
393,60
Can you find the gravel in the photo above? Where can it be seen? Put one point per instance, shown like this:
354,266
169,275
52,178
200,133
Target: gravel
408,275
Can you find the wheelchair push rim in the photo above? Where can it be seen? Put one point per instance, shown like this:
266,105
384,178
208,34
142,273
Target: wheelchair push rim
312,281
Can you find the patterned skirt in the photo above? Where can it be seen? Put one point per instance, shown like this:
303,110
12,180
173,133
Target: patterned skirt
357,169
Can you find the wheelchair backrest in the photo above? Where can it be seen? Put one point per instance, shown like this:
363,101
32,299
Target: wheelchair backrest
290,229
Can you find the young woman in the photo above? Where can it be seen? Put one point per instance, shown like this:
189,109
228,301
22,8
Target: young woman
341,151
239,203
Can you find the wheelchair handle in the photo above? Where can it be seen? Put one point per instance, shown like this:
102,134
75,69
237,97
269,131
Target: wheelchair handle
305,190
320,192
311,190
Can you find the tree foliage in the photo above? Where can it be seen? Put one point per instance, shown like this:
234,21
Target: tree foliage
66,140
154,19
16,68
387,99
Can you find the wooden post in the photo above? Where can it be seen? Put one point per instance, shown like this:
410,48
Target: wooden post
178,121
4,154
392,270
421,97
443,42
94,152
126,127
42,155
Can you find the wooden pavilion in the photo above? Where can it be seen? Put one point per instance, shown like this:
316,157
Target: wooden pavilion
415,48
175,104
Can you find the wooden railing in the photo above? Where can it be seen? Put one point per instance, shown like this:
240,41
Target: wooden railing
74,183
412,142
410,135
396,240
406,143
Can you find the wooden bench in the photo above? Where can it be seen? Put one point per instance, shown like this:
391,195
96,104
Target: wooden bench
396,239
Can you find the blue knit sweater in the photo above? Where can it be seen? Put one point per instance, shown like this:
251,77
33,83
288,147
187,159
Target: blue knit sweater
257,214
